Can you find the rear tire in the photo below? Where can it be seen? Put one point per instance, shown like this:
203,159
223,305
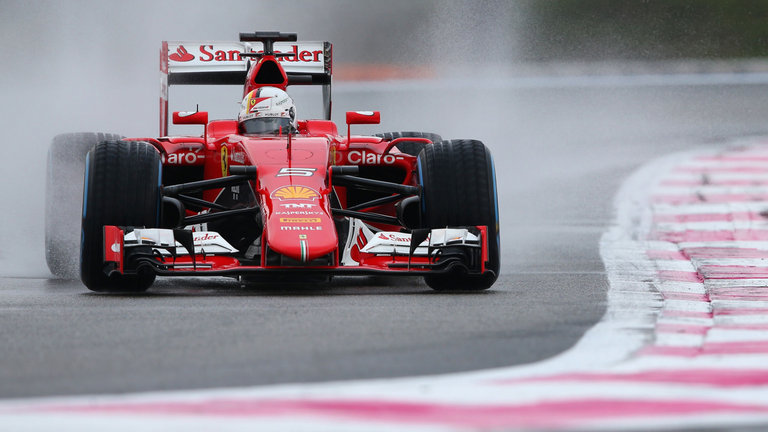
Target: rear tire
459,189
122,181
412,148
64,199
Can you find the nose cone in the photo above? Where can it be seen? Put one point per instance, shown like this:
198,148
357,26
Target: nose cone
294,196
302,235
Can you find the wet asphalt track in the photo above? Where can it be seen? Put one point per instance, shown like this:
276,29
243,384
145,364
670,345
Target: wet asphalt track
561,149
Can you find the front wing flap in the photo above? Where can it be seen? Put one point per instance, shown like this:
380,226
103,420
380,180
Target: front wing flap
166,252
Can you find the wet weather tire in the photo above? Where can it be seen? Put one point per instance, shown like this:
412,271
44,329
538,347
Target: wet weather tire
122,188
412,148
459,189
64,199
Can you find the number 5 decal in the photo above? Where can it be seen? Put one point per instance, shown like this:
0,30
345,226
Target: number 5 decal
298,172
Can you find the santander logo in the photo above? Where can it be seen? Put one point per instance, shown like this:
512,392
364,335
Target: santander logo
311,53
181,55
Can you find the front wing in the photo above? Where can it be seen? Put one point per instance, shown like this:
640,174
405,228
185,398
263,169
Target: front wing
128,250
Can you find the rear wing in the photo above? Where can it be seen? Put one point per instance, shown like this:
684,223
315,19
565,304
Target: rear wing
220,63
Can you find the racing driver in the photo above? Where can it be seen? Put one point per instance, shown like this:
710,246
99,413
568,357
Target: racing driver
267,111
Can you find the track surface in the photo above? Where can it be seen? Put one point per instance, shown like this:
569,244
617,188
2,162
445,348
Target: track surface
562,150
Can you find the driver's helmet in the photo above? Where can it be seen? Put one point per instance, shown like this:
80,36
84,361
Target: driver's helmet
267,110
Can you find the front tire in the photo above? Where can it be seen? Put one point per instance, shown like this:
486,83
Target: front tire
459,189
64,199
122,188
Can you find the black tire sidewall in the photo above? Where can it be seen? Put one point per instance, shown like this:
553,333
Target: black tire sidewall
458,183
122,189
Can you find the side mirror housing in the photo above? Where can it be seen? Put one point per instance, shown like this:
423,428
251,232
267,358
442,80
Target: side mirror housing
190,117
363,117
359,117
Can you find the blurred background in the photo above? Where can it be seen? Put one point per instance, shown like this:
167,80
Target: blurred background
643,29
80,65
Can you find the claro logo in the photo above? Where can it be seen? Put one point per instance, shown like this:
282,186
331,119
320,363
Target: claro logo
184,158
368,158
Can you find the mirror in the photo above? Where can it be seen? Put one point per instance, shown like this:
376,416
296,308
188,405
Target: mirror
190,117
363,117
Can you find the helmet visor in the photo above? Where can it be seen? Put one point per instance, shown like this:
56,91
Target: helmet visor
266,125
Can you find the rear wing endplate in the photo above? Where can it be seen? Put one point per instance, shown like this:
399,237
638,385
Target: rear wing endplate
220,63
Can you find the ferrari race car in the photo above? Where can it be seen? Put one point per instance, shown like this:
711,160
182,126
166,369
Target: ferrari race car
303,204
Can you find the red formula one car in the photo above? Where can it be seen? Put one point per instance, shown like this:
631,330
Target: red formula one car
268,198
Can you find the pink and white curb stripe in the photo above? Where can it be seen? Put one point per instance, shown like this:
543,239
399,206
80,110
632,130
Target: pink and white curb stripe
683,344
